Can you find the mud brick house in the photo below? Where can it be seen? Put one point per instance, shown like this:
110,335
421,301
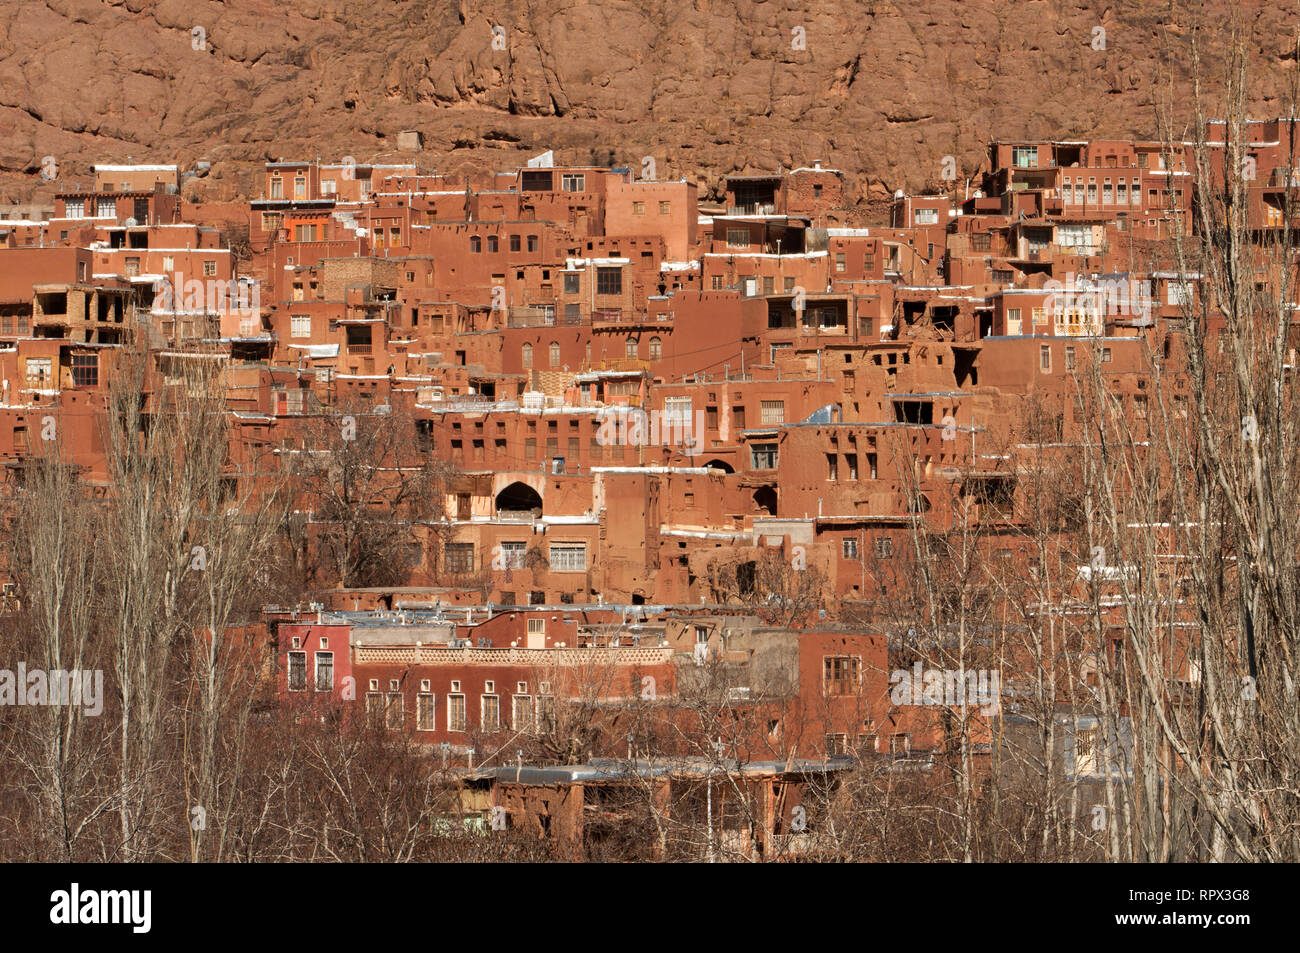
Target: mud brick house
634,398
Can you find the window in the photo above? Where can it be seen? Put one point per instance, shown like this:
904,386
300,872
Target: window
300,187
1107,195
85,370
656,349
532,243
677,411
572,282
490,713
304,233
899,745
1045,358
837,743
545,707
1085,751
75,208
132,266
926,216
39,371
324,671
329,187
609,281
297,671
521,712
1024,157
1002,276
884,545
209,269
425,711
271,221
527,356
832,466
555,353
1105,355
1180,293
475,244
737,237
568,557
1075,236
456,713
573,182
840,674
630,348
300,325
849,548
665,208
1092,191
106,208
277,188
514,243
638,208
772,412
460,557
1121,192
763,456
394,711
840,263
492,246
1069,358
512,554
374,707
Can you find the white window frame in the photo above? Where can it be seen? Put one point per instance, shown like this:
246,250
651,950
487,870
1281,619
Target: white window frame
426,703
568,557
452,699
316,674
484,701
300,657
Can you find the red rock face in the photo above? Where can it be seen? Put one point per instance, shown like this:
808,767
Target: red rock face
881,90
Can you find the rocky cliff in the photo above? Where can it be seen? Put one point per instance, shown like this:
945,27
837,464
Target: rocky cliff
883,90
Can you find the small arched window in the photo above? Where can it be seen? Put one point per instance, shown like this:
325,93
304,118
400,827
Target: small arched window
475,244
631,347
528,356
555,354
656,349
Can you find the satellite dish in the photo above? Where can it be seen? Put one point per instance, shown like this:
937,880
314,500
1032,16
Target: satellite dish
131,223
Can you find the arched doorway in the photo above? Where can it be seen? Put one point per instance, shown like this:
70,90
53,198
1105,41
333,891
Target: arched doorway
765,499
518,500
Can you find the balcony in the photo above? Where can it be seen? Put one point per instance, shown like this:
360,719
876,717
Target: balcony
753,208
615,317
